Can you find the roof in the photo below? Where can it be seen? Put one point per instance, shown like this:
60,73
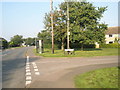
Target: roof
113,30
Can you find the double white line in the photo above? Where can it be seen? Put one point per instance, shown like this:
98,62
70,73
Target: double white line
28,72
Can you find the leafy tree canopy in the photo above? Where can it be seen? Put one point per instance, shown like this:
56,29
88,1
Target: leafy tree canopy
16,40
3,43
84,18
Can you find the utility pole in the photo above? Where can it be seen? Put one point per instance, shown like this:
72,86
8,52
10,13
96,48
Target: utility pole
51,12
68,33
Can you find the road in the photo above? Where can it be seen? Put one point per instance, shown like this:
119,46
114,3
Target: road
13,68
46,72
60,72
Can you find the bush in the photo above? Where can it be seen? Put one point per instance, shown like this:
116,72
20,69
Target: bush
113,45
48,46
77,45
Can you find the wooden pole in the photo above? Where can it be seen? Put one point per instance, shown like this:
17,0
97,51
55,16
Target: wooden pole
51,7
68,33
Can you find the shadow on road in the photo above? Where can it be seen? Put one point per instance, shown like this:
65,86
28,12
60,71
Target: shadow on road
13,72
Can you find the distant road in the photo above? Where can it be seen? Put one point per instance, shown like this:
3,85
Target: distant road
13,68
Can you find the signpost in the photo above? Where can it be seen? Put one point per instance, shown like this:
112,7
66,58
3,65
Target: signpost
39,46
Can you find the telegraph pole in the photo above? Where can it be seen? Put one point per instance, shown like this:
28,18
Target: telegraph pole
68,33
51,12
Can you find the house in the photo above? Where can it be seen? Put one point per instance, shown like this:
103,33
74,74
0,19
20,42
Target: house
112,34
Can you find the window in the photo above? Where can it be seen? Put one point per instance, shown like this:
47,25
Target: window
110,35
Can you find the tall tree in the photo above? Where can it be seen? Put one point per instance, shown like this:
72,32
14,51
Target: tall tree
85,27
59,22
84,23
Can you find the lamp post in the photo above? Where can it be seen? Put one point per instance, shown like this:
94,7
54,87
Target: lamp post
51,12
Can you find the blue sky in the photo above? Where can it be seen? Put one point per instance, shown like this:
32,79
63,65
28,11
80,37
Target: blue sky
26,18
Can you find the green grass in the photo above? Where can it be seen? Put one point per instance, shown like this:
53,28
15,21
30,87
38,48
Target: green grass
79,53
101,78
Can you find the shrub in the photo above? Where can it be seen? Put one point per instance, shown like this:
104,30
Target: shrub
113,45
77,45
48,46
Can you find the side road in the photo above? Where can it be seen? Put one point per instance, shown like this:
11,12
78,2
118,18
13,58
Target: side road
60,72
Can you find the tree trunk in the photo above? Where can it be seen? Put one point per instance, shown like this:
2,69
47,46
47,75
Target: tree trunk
62,46
82,47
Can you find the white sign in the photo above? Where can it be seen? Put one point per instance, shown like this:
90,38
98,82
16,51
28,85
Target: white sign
69,49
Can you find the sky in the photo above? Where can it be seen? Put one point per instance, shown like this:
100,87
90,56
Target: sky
26,18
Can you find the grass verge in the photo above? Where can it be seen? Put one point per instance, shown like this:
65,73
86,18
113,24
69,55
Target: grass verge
101,78
79,53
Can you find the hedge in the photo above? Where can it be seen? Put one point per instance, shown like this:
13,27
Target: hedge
48,46
77,45
113,45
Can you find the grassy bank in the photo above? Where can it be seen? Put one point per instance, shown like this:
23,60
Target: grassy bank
79,53
102,78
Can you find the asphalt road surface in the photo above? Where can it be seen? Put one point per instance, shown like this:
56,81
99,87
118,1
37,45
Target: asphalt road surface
46,72
13,68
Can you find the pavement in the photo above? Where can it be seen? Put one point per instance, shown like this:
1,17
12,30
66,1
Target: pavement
21,68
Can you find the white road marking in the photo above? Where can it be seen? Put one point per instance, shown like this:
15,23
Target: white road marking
33,62
28,73
28,78
27,70
35,70
37,73
28,82
27,57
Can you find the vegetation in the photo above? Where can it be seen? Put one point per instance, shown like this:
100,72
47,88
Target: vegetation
87,52
45,36
29,41
3,43
16,41
113,45
102,78
84,24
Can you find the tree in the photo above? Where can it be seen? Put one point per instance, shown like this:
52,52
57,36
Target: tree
16,41
59,21
29,41
3,43
85,27
45,35
84,23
